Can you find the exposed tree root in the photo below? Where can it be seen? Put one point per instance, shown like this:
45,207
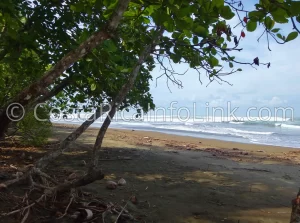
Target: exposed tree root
23,209
77,206
47,197
67,208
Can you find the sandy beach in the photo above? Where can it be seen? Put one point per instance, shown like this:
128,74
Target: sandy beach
185,179
176,178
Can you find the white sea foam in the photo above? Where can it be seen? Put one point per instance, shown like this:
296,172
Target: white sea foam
290,126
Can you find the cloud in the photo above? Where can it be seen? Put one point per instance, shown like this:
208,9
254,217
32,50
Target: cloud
274,101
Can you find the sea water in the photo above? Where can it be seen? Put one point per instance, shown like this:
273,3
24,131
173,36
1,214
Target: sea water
273,131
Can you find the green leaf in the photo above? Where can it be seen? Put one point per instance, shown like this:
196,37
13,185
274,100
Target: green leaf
218,3
256,15
175,35
195,40
298,19
93,87
78,7
176,57
264,3
280,36
226,13
240,69
213,51
269,23
146,20
200,31
220,40
279,15
295,8
276,30
125,70
163,17
169,26
291,36
251,26
230,65
213,61
187,33
110,46
184,12
73,7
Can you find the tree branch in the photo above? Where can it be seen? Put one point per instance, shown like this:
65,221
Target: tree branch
68,60
121,96
294,25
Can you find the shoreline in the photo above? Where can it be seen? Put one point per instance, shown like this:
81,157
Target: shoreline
239,152
261,133
205,141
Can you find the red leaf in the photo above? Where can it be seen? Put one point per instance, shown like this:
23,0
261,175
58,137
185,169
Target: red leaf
245,19
243,34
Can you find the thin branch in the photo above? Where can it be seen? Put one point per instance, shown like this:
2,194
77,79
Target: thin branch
261,35
294,25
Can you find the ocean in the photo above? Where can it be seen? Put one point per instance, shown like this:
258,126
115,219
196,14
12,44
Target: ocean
273,131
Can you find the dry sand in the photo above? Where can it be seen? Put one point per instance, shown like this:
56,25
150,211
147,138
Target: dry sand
185,179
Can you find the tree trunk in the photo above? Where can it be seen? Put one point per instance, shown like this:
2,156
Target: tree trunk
120,97
58,88
5,120
4,123
64,145
37,88
86,179
295,216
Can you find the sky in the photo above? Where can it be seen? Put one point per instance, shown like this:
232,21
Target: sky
278,86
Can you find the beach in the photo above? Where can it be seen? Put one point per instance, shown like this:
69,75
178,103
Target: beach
186,179
274,131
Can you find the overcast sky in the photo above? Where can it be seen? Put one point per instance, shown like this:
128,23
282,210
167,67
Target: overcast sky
274,87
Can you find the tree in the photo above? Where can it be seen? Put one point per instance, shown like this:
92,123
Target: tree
38,88
28,28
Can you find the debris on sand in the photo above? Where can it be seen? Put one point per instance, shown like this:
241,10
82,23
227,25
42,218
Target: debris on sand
111,185
134,200
82,163
122,182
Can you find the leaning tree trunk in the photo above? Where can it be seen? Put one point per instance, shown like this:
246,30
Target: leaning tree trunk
120,97
58,88
38,88
295,216
64,145
4,123
93,173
